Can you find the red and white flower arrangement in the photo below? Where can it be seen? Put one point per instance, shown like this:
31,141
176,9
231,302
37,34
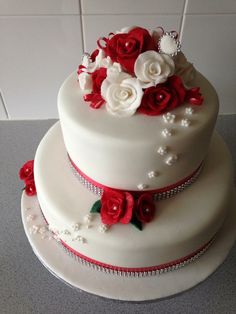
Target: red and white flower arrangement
26,174
134,70
125,207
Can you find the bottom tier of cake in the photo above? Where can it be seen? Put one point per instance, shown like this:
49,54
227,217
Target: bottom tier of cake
184,225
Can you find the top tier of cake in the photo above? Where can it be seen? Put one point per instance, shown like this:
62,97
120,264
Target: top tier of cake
150,117
139,151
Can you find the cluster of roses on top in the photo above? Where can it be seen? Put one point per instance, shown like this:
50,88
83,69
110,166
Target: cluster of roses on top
26,174
133,70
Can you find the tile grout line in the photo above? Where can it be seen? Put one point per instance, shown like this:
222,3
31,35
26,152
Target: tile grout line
115,14
4,106
183,19
82,27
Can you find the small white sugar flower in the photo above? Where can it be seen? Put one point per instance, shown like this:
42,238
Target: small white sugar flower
88,218
76,226
35,229
42,229
80,239
30,217
56,237
185,123
142,186
162,150
152,174
103,228
169,117
171,159
189,110
166,132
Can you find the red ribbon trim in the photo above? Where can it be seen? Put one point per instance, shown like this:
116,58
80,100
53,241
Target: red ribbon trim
135,269
155,191
138,269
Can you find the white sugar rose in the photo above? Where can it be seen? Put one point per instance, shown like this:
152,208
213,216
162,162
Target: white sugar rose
114,72
93,66
85,81
184,69
152,68
100,62
123,94
126,29
105,63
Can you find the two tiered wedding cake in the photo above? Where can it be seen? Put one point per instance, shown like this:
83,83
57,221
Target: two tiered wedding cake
133,179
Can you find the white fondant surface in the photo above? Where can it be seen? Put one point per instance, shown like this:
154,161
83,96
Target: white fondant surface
120,152
182,224
80,276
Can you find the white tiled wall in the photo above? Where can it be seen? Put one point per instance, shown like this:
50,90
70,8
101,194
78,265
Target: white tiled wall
41,42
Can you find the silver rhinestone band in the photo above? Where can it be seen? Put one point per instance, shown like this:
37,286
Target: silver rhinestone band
157,196
179,188
91,187
138,273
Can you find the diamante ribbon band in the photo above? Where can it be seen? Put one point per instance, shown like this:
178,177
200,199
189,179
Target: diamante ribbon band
137,272
134,272
158,194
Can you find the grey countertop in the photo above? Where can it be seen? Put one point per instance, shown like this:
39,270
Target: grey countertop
27,287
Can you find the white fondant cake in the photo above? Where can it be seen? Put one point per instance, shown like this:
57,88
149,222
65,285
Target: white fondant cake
134,148
120,153
182,224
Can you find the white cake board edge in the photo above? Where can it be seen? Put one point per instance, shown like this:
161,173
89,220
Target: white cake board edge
68,269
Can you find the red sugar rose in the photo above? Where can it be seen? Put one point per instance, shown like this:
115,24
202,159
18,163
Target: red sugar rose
163,97
95,98
125,48
194,97
30,188
116,207
81,69
98,76
145,208
94,55
27,171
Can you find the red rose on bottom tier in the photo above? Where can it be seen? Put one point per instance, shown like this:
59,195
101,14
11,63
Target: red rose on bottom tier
145,208
116,207
30,188
163,97
27,171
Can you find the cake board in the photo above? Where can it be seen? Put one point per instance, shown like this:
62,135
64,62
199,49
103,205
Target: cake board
55,258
